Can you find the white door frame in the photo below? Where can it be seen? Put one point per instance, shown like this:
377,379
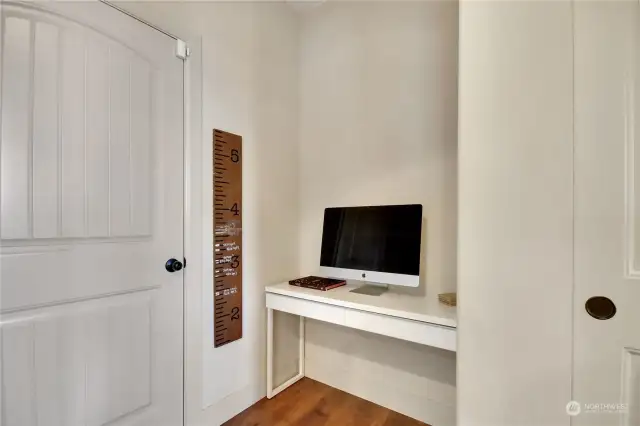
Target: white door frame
193,138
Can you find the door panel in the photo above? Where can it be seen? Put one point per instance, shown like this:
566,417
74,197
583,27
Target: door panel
14,153
53,357
91,201
93,89
607,211
631,387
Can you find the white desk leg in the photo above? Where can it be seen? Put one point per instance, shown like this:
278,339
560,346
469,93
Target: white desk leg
301,349
271,392
269,353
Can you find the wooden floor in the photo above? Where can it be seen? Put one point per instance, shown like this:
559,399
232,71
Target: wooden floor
311,403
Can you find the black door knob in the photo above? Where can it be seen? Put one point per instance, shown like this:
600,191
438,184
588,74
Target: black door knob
600,307
173,265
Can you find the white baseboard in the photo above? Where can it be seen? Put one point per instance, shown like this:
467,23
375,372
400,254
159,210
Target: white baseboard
234,404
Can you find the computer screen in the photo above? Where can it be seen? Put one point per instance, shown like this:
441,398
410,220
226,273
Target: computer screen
377,238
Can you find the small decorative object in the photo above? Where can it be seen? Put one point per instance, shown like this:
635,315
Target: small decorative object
449,299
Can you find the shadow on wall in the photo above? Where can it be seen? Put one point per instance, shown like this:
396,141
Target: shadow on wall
275,181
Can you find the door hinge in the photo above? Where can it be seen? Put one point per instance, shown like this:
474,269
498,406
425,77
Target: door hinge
182,50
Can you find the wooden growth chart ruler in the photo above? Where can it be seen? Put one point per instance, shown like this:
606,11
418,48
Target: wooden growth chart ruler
227,237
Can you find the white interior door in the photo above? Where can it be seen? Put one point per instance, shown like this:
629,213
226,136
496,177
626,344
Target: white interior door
607,213
91,194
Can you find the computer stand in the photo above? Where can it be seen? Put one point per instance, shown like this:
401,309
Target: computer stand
371,289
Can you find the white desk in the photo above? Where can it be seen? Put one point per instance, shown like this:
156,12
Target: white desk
391,314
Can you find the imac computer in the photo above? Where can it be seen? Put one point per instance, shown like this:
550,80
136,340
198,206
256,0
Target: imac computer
376,244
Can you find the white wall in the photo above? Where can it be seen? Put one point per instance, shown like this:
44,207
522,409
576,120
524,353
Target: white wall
249,74
515,245
378,122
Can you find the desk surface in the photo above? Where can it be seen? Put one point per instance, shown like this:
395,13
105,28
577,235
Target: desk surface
390,303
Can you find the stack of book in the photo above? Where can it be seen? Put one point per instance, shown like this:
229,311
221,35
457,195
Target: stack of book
318,283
